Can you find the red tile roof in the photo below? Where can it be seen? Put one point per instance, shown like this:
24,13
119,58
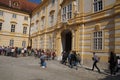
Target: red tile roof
23,5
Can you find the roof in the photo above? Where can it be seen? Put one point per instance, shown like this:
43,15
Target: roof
23,5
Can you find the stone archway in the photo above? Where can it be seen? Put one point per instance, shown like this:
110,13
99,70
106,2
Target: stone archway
66,39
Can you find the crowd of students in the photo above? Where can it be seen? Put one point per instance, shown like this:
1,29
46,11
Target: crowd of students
72,58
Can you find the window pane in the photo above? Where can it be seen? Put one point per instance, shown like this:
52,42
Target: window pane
1,13
0,26
14,16
97,40
12,43
25,18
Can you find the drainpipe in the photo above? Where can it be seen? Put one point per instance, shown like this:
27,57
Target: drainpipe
29,40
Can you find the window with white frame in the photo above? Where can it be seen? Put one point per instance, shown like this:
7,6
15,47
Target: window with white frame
43,9
53,2
43,23
11,43
64,14
24,44
24,30
12,28
38,14
14,16
97,40
98,5
67,12
25,18
1,13
0,26
51,19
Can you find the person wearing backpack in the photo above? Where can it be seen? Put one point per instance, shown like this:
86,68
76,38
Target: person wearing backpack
95,59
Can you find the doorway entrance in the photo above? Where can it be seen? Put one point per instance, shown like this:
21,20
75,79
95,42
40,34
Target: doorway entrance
66,38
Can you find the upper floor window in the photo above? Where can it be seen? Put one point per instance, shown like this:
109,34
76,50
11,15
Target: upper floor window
43,9
1,13
67,12
64,13
38,14
98,5
14,16
51,19
11,43
25,18
24,30
43,23
16,3
12,28
97,40
0,26
53,1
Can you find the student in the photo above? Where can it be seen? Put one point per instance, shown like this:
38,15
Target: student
95,59
112,61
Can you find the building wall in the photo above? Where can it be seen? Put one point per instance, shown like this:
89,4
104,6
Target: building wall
82,25
6,35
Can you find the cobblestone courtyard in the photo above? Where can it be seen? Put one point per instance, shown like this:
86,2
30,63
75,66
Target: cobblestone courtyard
28,68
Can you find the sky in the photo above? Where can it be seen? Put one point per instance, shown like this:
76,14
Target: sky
35,1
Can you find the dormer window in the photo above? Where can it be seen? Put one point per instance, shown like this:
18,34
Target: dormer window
16,4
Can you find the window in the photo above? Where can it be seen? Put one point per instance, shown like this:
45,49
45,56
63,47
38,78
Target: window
23,43
64,14
16,4
98,5
24,30
53,1
43,10
1,13
51,20
43,23
12,28
0,26
14,16
25,18
11,43
38,14
67,12
97,40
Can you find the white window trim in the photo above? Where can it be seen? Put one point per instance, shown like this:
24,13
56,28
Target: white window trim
98,10
92,39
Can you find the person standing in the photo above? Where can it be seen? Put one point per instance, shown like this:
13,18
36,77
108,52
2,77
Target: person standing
112,63
95,59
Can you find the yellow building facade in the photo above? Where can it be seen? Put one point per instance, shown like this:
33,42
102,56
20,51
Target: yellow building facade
85,26
15,23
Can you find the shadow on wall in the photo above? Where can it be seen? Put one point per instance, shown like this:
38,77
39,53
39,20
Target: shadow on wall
111,30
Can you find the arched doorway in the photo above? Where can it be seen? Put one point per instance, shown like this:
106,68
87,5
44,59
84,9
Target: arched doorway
66,38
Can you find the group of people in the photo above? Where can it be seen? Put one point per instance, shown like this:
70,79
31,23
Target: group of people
12,51
114,63
72,58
